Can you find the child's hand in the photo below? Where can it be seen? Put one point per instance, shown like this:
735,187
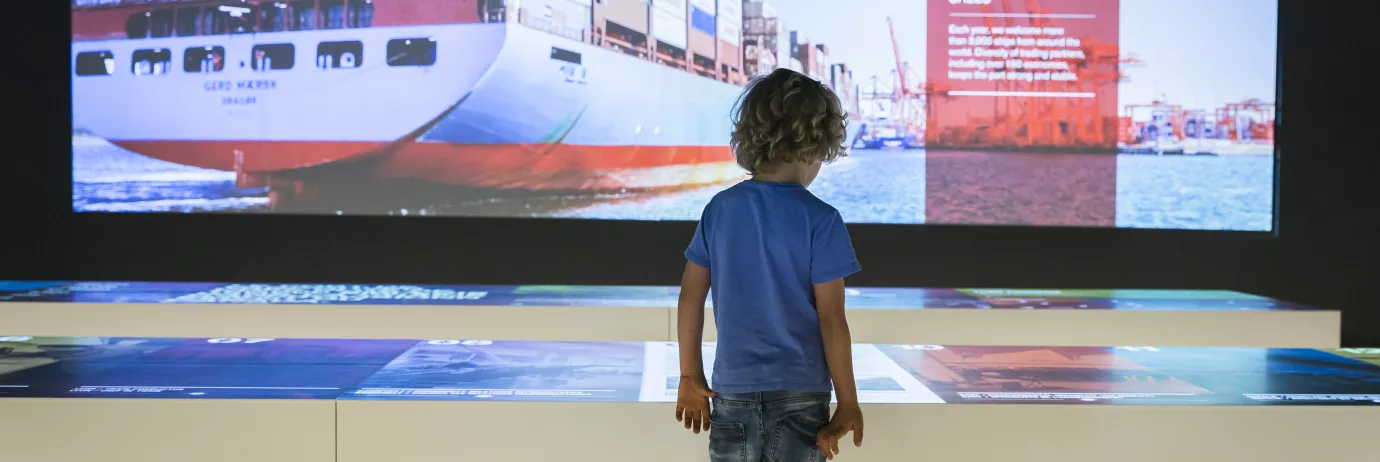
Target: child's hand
692,403
847,418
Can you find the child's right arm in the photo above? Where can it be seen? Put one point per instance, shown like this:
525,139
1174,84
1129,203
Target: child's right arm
838,353
692,401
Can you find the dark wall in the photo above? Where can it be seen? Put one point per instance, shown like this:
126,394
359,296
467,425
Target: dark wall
1325,252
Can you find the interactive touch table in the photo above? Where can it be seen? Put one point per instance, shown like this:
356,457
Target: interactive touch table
455,399
640,313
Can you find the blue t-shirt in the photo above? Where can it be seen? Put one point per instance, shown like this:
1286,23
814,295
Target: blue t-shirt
766,245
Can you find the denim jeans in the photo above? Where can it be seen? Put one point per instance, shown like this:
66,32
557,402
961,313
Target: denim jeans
777,426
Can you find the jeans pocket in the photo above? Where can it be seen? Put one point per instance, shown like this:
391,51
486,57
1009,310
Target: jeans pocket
816,415
794,435
727,442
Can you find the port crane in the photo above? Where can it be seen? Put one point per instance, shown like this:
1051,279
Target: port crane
908,105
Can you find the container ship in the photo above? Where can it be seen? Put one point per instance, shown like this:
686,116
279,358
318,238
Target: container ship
571,95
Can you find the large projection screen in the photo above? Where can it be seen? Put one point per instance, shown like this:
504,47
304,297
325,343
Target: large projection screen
1071,113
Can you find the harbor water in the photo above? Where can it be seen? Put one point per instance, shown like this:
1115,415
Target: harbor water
1234,192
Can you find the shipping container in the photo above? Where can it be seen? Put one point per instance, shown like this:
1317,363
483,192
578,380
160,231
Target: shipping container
703,47
670,29
802,54
703,15
730,37
623,25
821,63
566,18
673,7
841,81
783,45
758,9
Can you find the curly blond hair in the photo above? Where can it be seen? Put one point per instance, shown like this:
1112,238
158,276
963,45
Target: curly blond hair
787,117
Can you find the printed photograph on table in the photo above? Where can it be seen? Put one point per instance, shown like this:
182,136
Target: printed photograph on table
908,298
1271,376
481,370
1041,113
1038,374
337,294
478,370
1369,355
879,379
98,292
217,368
629,296
1138,375
1128,299
615,296
195,292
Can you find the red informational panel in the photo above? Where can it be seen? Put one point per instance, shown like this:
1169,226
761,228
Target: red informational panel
1021,114
1023,74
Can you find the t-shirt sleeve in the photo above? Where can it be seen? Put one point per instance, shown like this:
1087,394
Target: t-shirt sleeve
698,251
831,251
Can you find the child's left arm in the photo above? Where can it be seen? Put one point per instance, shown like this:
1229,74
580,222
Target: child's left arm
692,402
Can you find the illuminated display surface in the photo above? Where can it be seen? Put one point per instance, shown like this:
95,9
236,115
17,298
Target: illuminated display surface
615,296
1078,113
479,370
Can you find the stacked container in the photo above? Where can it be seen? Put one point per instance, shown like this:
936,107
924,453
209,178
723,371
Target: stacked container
669,20
730,38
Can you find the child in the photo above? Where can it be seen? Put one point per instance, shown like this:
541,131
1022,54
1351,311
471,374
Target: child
776,256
